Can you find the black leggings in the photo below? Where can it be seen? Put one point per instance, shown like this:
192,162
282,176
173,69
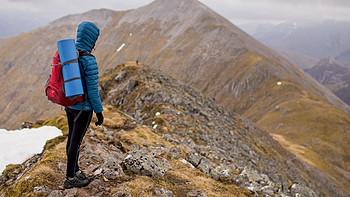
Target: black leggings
76,133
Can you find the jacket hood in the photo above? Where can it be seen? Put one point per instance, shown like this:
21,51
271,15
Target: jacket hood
87,36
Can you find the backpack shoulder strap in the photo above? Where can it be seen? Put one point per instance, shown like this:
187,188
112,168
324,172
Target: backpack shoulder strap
84,53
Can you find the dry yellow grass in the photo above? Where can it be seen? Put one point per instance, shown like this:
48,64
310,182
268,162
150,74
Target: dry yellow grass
143,135
298,150
44,173
182,179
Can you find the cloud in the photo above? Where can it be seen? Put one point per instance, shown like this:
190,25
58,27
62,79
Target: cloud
337,3
237,11
278,11
54,9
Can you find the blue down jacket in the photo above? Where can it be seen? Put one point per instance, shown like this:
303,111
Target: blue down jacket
87,36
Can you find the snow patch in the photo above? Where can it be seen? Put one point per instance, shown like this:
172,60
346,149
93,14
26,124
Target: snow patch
19,145
121,47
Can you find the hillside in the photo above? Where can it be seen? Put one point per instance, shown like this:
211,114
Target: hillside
193,145
190,42
334,76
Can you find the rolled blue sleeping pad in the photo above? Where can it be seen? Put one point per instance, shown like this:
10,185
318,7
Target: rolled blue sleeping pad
71,72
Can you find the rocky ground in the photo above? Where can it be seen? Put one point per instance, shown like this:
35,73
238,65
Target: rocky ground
161,138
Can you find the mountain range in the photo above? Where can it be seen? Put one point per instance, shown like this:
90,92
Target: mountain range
308,46
334,76
318,40
190,42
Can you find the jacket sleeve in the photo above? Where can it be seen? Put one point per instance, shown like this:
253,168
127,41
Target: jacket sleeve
91,82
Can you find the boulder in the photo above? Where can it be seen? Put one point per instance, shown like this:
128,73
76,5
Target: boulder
298,189
112,170
121,193
195,193
158,191
194,158
143,163
42,189
221,173
205,166
55,193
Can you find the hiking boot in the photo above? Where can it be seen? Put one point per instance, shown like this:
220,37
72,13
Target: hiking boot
81,175
75,182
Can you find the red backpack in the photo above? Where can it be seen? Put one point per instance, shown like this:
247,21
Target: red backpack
54,88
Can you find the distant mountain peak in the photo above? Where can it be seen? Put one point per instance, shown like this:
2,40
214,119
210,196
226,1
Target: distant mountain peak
99,16
184,11
329,63
329,60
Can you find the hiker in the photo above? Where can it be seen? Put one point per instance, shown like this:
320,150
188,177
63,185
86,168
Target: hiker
87,35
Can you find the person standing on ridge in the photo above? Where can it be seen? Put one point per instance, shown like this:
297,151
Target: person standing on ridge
79,121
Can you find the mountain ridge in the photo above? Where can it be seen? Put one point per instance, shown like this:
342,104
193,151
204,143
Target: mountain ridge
212,55
149,112
318,40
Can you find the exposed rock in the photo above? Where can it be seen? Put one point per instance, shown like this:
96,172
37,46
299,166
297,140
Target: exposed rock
186,162
55,193
143,163
158,191
112,170
194,158
222,173
195,193
298,189
254,175
242,180
96,183
42,189
121,193
199,162
70,192
98,172
205,166
269,190
176,150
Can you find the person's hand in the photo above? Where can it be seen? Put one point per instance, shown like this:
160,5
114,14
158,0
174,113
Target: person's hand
99,119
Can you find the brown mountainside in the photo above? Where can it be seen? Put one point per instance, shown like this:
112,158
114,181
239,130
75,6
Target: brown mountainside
190,42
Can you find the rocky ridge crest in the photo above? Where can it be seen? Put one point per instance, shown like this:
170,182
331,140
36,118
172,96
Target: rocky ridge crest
172,141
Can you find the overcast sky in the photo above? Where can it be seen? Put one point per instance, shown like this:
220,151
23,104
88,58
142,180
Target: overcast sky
237,11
